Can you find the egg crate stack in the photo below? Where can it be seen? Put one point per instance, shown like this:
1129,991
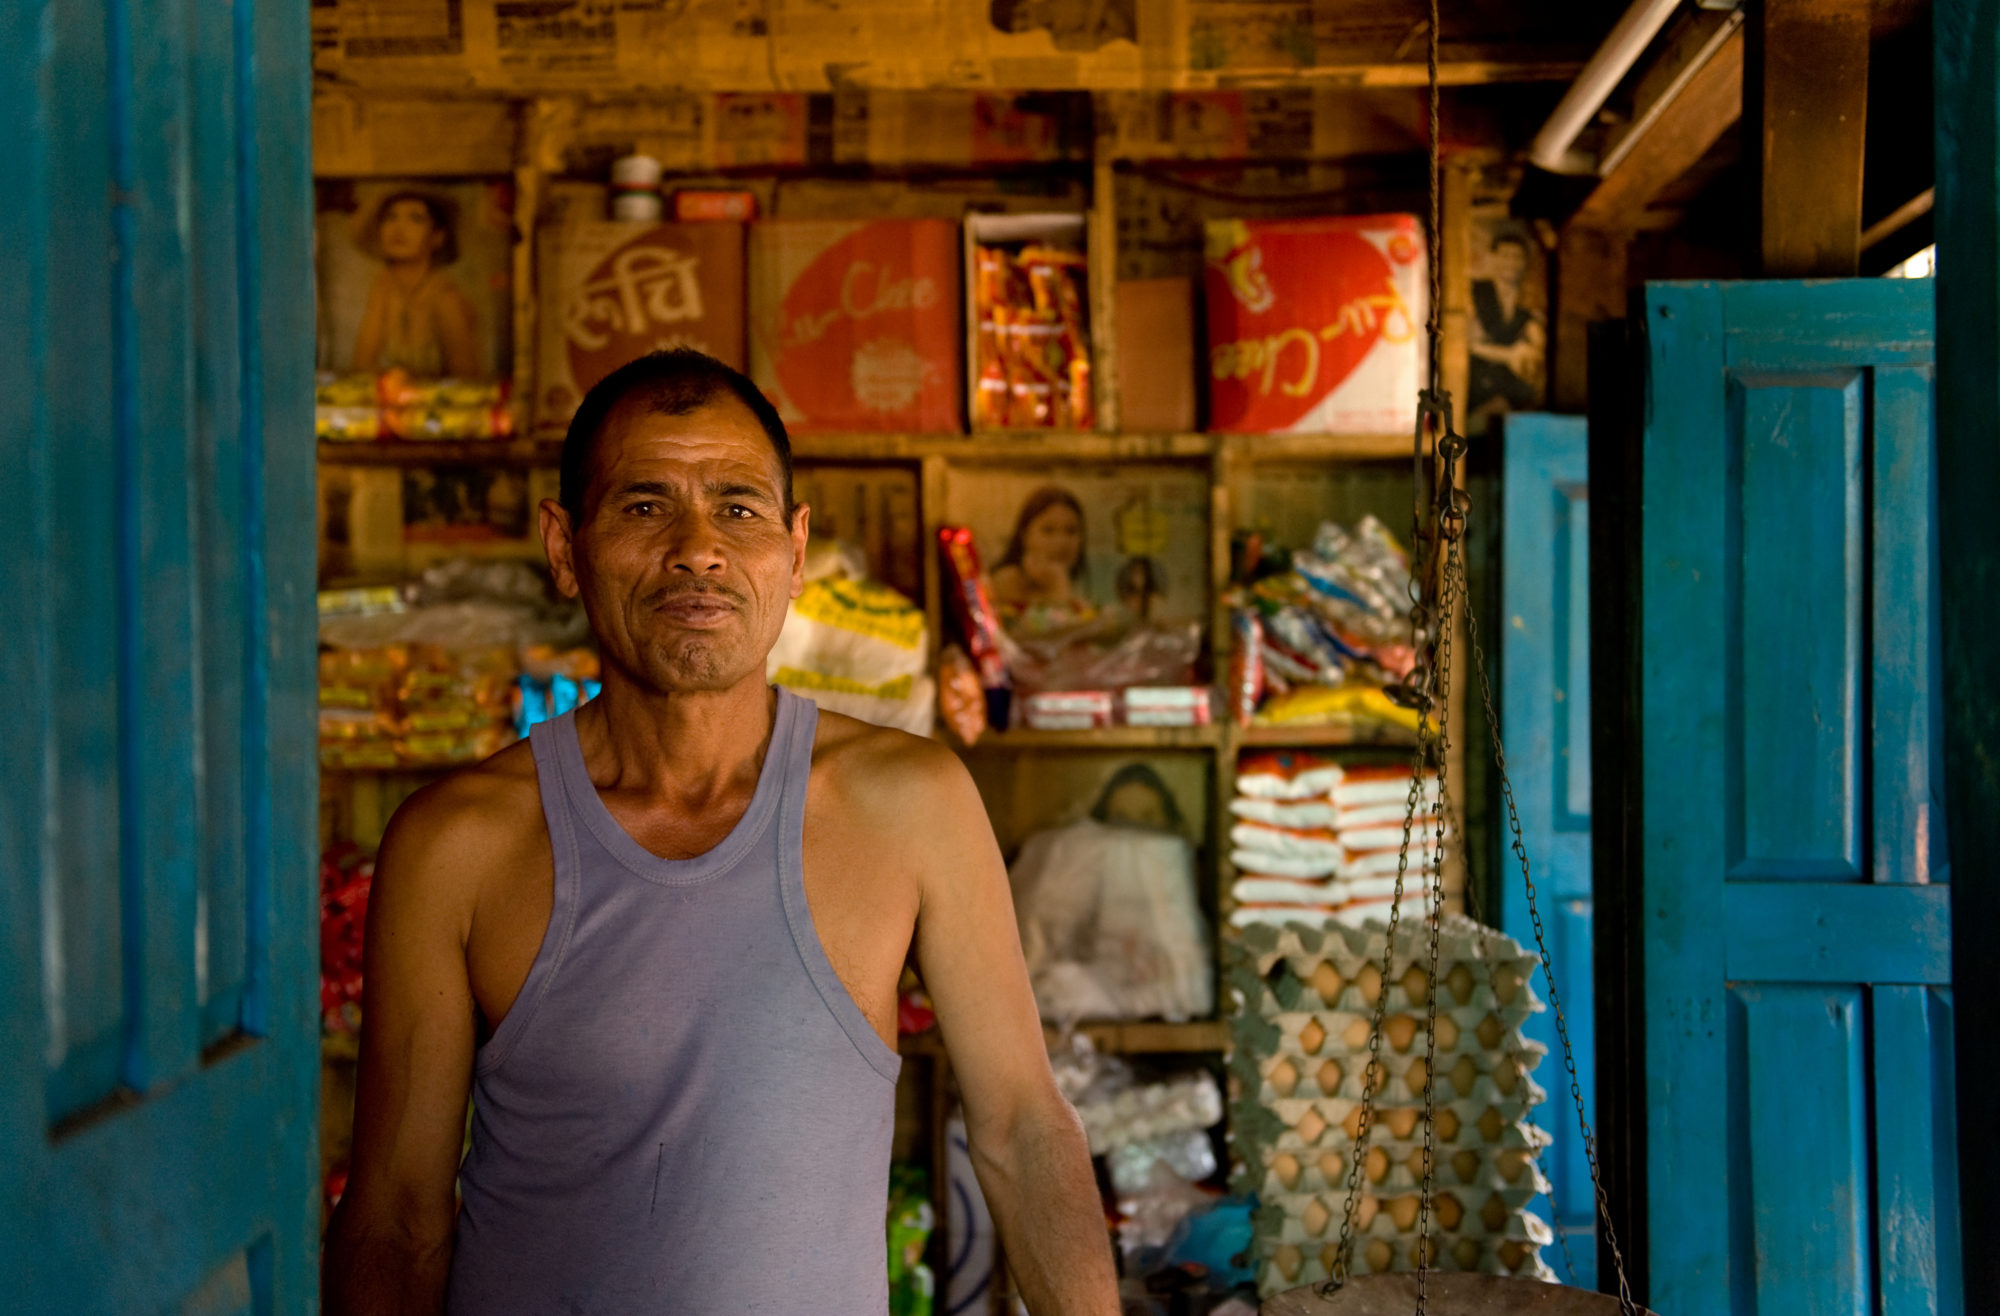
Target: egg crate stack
1303,996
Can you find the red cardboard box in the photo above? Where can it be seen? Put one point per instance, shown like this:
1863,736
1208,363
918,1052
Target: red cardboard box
1315,325
855,324
611,292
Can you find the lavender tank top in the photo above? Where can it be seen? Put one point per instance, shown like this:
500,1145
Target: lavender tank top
684,1111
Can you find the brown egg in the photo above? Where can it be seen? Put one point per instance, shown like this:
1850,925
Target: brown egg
1286,1167
1328,1077
1284,1078
1312,1037
1327,982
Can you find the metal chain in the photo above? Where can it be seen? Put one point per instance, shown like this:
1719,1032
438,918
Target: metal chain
1477,914
1434,910
1455,565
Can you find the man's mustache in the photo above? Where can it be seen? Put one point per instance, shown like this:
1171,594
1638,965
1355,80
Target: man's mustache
683,588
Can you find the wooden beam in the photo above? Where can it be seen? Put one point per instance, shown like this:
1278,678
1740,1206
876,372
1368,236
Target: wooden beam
1682,133
1900,218
1967,35
1807,81
1590,286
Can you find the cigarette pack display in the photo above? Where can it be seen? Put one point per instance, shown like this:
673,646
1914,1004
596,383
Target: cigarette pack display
1315,325
854,325
1068,710
612,292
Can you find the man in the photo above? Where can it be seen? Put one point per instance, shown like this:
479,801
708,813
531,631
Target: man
660,944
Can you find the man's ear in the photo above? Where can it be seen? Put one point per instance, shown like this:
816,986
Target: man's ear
559,542
801,516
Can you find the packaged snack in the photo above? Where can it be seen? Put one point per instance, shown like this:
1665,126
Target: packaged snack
1030,310
1286,775
1067,710
971,605
961,701
1246,665
362,424
1165,705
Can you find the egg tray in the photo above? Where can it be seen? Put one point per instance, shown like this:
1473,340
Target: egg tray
1295,1057
1340,955
1510,1171
1290,1265
1314,1218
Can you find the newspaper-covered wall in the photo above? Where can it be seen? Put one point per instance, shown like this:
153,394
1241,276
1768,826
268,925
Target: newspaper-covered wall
608,46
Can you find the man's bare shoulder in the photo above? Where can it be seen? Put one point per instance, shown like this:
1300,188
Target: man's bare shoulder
883,773
469,823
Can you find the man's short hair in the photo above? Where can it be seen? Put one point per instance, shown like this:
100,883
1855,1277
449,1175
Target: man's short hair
670,383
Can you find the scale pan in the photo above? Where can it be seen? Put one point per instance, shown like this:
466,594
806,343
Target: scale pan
1447,1294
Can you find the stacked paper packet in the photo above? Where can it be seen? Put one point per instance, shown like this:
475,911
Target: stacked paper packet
1301,996
1311,838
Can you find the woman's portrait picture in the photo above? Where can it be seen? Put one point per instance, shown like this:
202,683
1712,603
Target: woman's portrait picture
1508,339
1089,547
414,276
1036,581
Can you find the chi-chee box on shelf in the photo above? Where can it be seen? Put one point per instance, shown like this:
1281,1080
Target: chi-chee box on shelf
1315,326
854,325
611,292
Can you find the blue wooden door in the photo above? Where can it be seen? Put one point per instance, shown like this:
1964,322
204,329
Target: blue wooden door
1545,715
158,1067
1796,940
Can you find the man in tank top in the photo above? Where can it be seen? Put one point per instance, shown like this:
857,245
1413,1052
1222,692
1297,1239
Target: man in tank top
659,942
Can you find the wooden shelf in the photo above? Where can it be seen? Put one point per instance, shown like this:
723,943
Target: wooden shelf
1144,1038
544,448
1325,737
1099,738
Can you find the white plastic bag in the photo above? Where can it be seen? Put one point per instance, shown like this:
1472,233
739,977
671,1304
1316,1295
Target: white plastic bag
1111,924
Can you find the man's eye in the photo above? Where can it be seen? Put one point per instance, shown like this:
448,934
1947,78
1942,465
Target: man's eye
738,512
643,509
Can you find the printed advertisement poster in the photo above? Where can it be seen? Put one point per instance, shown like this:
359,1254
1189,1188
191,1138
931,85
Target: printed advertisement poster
415,276
1060,550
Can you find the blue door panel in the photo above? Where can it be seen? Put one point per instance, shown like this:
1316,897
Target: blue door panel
1916,1226
1545,715
1803,1101
1795,942
158,1058
1796,728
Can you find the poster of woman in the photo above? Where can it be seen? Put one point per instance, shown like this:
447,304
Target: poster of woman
415,276
1508,339
1088,545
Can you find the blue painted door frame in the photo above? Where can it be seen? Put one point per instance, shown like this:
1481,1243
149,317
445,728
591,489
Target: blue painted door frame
1545,714
1967,45
1793,931
158,1058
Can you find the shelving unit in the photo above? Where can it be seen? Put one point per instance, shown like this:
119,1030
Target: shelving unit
1031,779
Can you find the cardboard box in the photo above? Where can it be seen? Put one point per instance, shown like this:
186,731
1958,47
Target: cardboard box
1315,325
854,324
1031,371
1156,337
612,292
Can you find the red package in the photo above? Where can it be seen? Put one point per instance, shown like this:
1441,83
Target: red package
694,206
965,587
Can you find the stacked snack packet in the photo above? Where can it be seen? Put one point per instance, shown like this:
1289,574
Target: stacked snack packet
1313,837
1302,997
1033,339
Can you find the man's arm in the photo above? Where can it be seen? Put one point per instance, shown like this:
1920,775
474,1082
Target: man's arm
1027,1144
388,1249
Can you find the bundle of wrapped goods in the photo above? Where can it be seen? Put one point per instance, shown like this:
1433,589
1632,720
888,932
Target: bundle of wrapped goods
1302,997
1314,324
856,647
1316,638
1030,305
857,325
414,705
553,682
1316,838
397,405
345,876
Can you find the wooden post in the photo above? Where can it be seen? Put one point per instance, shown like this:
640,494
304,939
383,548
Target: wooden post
1590,286
1968,467
1806,97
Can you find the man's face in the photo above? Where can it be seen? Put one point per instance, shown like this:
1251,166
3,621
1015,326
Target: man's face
684,560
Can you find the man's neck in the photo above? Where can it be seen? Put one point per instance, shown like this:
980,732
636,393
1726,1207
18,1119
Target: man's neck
676,747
